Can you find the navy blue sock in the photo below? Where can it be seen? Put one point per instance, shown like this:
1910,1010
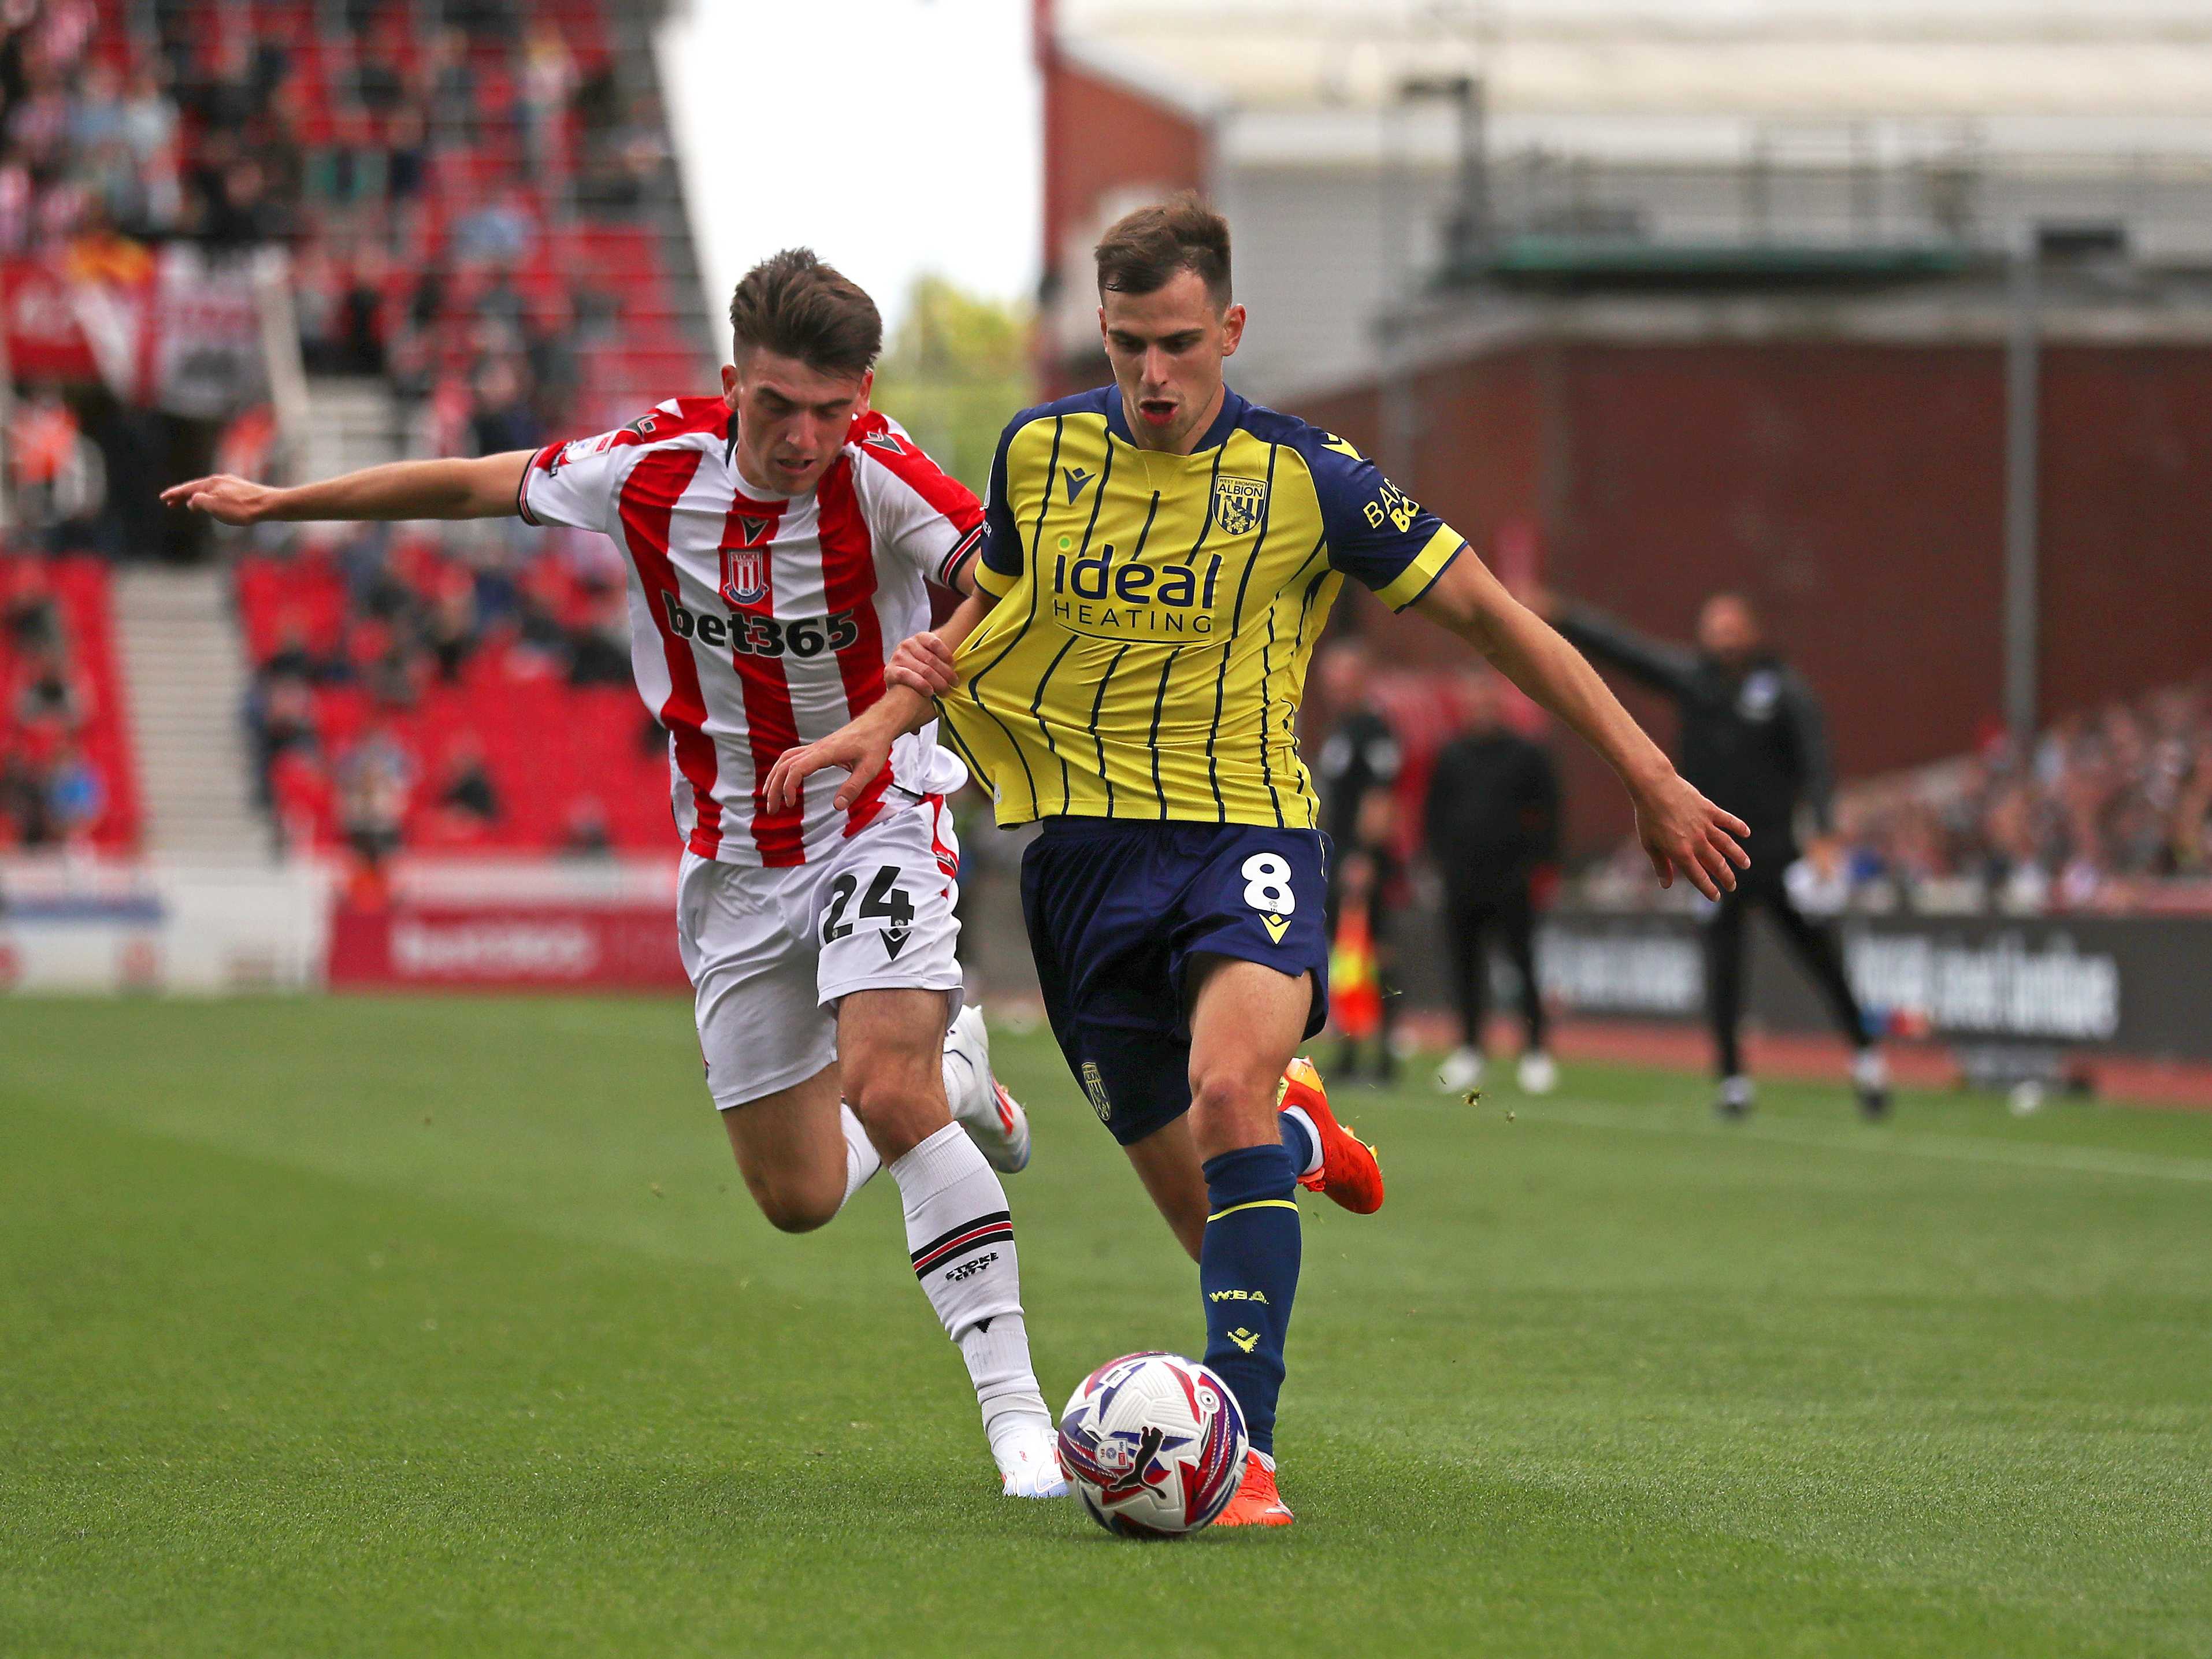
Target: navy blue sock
1248,1269
1296,1142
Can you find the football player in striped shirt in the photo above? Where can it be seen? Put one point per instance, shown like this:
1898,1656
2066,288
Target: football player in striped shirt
1162,556
778,538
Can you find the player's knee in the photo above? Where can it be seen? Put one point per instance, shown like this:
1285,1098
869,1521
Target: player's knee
886,1087
1225,1100
794,1207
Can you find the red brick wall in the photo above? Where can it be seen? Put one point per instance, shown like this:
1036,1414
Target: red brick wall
1856,492
1100,138
2126,520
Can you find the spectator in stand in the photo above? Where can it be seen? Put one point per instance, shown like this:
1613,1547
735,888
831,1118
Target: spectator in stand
1493,830
599,651
548,83
1359,765
501,232
503,419
376,784
34,620
468,789
586,834
378,84
281,715
76,795
541,638
1753,742
449,625
26,815
47,695
347,172
407,168
450,84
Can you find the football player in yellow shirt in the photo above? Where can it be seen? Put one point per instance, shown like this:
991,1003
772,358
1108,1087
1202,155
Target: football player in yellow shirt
1127,668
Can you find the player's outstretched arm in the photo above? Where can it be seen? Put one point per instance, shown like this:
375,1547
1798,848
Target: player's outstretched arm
484,487
1681,830
918,670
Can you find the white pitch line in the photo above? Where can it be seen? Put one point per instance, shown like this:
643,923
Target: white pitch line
2083,1160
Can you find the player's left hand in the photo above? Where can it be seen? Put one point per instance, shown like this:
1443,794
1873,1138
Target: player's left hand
922,663
1683,832
862,748
231,500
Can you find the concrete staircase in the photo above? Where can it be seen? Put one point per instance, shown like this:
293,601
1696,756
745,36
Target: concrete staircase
184,665
350,423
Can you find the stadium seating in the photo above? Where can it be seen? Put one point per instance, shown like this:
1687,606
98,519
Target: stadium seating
66,772
536,697
478,203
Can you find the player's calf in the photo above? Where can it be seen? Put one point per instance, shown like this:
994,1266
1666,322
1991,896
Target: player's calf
960,1231
801,1154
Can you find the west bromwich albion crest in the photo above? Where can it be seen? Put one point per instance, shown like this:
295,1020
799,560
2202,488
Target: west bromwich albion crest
1239,504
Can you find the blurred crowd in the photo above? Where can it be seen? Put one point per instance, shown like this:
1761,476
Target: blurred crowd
2112,806
415,172
2108,800
396,669
52,789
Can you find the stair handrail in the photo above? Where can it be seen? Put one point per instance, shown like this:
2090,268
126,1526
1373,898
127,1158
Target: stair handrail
280,352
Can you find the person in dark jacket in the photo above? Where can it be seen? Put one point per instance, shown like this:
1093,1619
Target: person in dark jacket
1752,741
1361,754
1492,820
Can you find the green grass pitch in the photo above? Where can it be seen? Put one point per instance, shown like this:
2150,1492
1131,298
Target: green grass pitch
411,1327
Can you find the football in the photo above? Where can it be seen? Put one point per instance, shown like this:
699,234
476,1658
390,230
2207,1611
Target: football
1154,1444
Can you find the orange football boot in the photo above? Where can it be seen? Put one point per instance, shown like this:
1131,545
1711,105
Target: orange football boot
1257,1504
1348,1172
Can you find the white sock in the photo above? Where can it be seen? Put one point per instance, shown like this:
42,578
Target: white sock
862,1160
961,1237
959,1073
1313,1137
999,1364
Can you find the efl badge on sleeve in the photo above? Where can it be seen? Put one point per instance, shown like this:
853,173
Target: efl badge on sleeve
1239,504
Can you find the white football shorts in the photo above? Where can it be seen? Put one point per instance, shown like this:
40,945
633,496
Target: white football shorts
770,951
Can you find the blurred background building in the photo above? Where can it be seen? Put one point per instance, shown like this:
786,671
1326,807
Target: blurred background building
1893,316
1897,318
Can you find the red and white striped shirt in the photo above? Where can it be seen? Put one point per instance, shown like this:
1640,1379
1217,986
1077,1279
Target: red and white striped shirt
758,623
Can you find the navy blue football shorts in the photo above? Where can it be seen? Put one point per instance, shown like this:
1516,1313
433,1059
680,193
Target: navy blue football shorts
1117,908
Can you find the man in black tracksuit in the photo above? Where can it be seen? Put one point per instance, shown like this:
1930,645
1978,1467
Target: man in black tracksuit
1491,822
1752,741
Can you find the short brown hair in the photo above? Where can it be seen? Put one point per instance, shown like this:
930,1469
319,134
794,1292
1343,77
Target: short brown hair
793,305
1145,249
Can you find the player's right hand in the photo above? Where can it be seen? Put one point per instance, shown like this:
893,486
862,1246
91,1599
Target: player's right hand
922,663
862,747
223,497
1684,834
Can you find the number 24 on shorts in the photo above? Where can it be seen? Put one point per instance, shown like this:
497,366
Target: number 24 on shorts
883,898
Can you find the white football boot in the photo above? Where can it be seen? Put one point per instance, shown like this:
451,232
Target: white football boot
1870,1082
1538,1073
1028,1452
1461,1070
993,1118
1735,1097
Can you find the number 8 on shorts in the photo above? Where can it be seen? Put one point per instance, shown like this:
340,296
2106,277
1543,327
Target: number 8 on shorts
1268,884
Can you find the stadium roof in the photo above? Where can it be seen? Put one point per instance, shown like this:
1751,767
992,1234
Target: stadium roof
2132,66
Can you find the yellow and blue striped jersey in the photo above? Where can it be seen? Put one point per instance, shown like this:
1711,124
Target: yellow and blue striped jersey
1156,612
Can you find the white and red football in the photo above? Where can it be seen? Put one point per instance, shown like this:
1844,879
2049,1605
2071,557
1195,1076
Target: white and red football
1154,1444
